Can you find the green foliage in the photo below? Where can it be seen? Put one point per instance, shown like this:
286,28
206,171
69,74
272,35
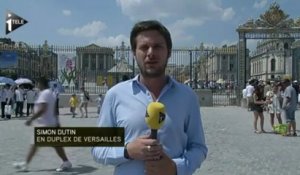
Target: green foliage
8,73
67,75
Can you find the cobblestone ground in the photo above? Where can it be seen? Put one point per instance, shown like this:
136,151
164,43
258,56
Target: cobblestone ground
233,147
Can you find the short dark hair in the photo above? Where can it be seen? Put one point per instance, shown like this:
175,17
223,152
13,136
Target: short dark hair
286,81
44,82
150,25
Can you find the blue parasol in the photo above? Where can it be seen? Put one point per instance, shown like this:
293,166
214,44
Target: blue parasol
7,80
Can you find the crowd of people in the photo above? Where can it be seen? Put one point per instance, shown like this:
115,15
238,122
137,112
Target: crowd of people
13,99
18,100
278,98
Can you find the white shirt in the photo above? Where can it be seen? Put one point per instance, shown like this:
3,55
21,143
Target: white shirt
30,96
19,95
244,93
83,97
249,90
48,118
99,101
181,136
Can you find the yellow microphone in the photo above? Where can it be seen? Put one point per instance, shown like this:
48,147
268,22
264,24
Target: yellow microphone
155,117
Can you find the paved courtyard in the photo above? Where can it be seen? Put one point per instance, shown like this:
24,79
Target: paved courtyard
233,147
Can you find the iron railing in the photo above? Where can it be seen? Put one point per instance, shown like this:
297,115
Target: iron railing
106,66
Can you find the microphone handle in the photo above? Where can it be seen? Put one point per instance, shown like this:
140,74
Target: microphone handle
153,134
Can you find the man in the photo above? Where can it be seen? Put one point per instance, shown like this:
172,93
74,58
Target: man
84,99
44,116
19,94
180,147
56,94
30,98
289,106
267,87
3,99
249,93
6,99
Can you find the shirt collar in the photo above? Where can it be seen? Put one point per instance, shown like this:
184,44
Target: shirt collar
170,83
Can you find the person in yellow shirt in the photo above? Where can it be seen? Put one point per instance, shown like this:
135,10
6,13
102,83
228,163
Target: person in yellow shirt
73,104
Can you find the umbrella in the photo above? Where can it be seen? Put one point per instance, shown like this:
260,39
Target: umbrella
20,81
186,81
59,86
220,81
6,80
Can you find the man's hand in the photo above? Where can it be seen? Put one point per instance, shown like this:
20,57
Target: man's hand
164,165
144,148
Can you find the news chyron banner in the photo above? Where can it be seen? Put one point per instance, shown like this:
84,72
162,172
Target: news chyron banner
79,136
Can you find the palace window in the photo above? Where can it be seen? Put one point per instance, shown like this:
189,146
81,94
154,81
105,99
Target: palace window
273,65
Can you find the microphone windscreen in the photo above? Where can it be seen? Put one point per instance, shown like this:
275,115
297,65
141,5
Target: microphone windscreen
155,115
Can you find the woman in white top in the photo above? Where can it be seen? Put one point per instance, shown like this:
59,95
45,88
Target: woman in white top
274,106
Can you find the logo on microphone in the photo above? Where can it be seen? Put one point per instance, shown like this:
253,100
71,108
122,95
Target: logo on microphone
162,117
13,22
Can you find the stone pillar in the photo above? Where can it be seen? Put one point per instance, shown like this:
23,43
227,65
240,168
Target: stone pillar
81,61
243,66
105,62
228,66
89,61
97,61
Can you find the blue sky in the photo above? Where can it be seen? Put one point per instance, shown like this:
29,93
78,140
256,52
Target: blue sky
108,22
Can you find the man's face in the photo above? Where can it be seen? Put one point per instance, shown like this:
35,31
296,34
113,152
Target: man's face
151,53
284,85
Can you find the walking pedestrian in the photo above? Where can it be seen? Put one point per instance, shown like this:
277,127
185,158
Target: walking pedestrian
73,102
99,101
84,99
55,91
44,116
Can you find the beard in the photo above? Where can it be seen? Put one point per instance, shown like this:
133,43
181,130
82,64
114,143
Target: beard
152,72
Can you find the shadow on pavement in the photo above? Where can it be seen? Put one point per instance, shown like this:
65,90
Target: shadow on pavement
79,169
14,118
